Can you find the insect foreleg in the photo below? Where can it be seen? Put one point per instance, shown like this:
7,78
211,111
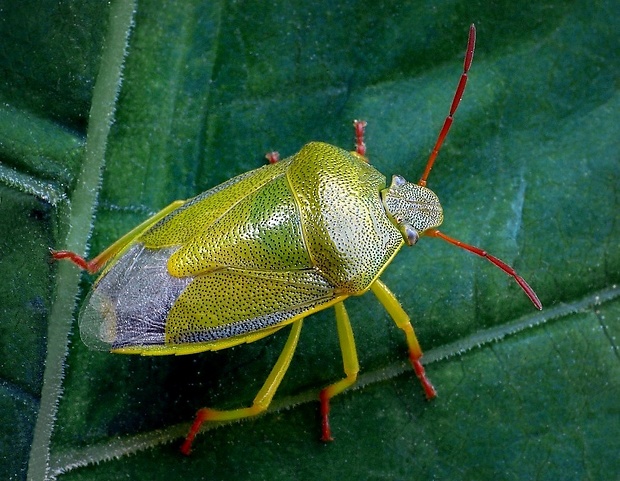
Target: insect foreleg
400,317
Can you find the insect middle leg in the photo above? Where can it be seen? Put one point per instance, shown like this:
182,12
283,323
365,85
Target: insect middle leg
400,317
261,401
351,368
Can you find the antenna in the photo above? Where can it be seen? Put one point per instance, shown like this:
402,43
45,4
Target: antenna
458,95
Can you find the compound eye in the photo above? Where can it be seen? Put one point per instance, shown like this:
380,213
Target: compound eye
398,181
410,235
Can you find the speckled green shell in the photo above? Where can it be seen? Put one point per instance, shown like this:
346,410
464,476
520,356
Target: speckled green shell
246,257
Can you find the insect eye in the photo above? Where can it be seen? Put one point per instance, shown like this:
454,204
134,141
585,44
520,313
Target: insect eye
410,235
398,181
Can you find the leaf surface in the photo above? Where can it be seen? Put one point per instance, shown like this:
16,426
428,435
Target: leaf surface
530,172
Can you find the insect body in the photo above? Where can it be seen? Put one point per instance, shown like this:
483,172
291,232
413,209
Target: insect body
263,251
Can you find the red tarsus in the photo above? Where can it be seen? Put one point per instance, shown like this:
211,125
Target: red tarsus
360,145
186,447
273,157
91,267
429,390
326,432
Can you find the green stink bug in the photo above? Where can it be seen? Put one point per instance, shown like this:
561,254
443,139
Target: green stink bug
262,251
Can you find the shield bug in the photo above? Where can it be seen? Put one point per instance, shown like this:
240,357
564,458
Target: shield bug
263,251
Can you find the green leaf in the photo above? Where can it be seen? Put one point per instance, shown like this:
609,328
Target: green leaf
530,172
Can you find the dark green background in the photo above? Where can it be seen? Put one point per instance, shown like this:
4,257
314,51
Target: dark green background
530,172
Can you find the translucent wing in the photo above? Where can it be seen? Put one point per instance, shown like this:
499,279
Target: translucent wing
138,306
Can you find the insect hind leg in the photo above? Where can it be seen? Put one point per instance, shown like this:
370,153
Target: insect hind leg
95,265
261,401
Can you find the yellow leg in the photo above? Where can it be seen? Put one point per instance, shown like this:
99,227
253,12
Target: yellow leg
98,262
400,317
351,368
261,401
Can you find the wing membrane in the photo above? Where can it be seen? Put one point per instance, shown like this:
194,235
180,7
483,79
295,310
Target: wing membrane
138,306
